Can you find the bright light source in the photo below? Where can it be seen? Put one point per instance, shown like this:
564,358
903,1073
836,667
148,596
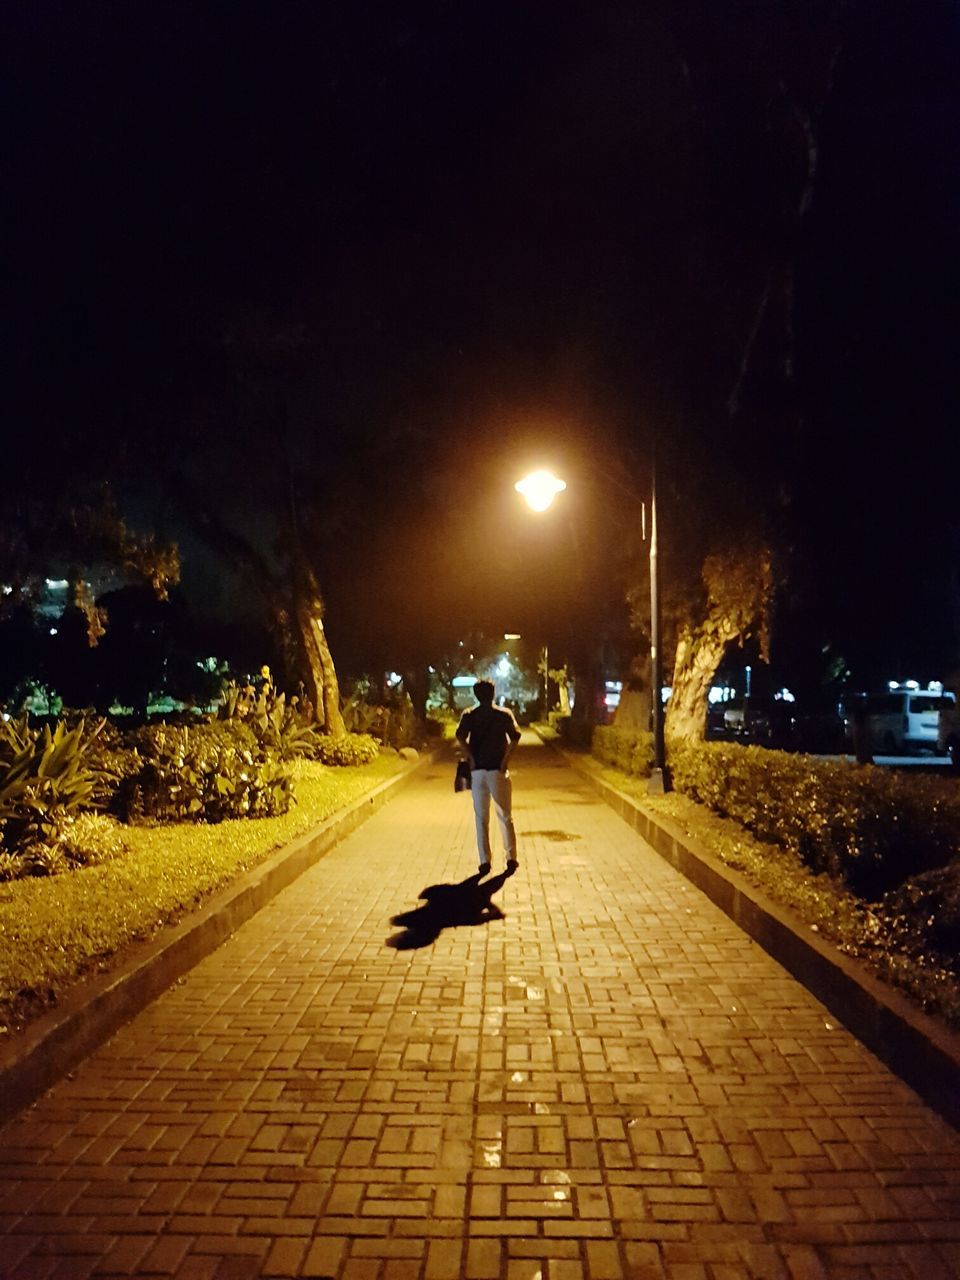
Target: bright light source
511,635
53,631
784,695
539,489
57,584
503,666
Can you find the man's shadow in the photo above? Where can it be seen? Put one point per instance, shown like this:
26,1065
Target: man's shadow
444,907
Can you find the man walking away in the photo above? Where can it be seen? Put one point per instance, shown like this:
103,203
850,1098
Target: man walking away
487,737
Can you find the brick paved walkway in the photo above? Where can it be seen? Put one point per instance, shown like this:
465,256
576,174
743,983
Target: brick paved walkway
609,1081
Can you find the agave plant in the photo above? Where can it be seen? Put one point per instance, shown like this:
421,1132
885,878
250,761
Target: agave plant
46,777
278,724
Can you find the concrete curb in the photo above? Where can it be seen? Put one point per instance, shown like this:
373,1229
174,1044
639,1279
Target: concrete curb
94,1010
915,1046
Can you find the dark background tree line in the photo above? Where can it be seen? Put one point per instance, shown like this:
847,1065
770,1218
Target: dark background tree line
308,291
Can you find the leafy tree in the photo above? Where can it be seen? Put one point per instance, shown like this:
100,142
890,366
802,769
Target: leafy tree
730,605
282,576
725,513
80,537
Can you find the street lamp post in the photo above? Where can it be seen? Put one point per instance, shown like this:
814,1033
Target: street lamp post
657,782
539,489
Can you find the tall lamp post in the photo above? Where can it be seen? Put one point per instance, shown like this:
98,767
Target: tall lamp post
539,489
657,782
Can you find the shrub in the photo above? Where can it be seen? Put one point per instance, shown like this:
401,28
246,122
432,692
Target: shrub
350,749
47,777
868,827
278,725
83,840
924,912
92,838
575,733
393,722
628,749
204,773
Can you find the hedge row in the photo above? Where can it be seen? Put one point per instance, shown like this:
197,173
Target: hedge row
628,749
866,826
63,787
575,733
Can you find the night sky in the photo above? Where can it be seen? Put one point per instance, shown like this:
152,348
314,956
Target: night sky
413,247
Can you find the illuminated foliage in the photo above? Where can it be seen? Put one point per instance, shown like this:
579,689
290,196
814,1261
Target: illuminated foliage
52,931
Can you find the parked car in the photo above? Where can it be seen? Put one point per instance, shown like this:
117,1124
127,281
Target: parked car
764,723
903,720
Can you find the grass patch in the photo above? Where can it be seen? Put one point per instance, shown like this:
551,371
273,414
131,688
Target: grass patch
873,933
57,929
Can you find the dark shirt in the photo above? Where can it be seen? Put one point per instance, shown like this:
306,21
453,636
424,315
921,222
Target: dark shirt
487,729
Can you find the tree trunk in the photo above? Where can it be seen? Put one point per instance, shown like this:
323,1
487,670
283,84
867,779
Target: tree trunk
319,673
416,681
563,690
633,711
694,670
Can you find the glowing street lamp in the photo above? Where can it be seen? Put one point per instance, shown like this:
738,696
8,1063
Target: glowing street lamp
539,489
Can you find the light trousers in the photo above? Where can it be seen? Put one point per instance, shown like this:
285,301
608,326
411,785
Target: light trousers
487,785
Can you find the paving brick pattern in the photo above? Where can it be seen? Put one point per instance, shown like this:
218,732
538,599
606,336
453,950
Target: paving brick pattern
608,1081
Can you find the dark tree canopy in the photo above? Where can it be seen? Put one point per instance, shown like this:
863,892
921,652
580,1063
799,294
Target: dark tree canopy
358,268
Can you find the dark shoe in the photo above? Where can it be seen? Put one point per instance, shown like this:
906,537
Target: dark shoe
512,865
483,869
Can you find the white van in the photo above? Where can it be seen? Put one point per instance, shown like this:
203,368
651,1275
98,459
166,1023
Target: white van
905,719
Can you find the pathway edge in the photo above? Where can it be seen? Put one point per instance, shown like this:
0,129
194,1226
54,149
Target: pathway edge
915,1046
96,1008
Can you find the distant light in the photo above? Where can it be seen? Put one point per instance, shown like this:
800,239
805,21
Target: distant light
511,635
7,590
911,684
503,666
666,693
53,631
935,686
393,678
892,684
539,489
613,686
612,700
432,670
784,695
57,584
720,693
463,682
